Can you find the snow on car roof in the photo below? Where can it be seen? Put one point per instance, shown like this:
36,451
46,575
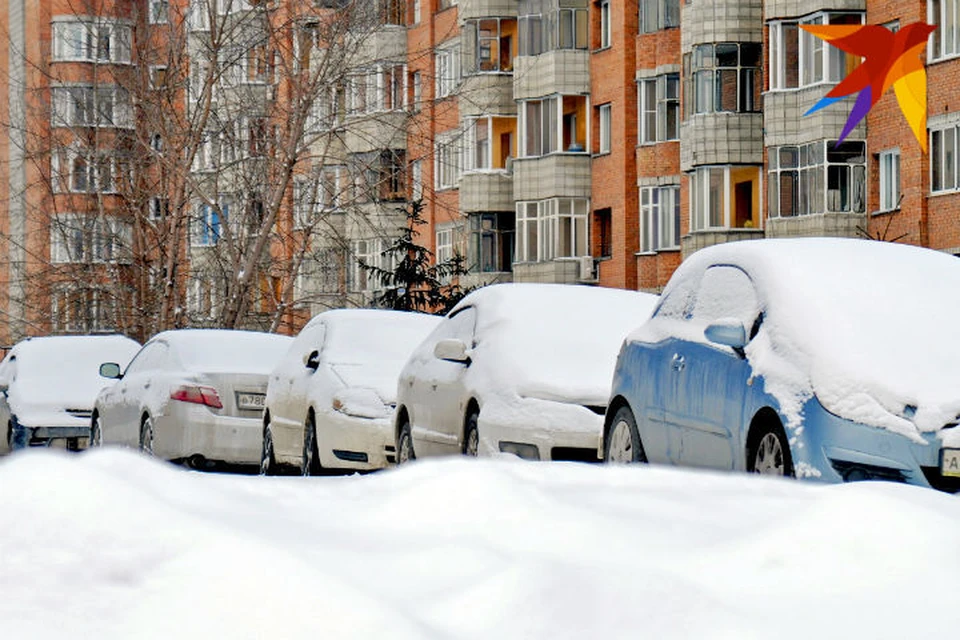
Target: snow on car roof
361,336
868,326
226,350
557,342
65,369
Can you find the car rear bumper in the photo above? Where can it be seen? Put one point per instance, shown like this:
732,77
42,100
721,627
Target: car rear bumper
72,437
195,431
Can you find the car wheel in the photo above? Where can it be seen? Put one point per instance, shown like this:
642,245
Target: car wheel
96,435
311,451
769,453
623,439
268,459
405,452
146,435
471,436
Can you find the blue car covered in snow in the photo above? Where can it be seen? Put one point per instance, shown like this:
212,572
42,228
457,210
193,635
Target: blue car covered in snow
828,359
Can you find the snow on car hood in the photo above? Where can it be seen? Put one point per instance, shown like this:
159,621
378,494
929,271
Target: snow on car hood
868,327
555,342
54,374
228,351
381,380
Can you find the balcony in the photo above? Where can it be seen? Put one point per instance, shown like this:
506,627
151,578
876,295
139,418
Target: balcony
557,174
564,71
486,191
721,138
818,225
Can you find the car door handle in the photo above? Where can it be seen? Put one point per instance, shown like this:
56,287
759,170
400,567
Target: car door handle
678,363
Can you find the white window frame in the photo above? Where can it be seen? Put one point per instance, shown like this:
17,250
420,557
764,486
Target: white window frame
549,126
83,239
606,36
945,41
208,224
158,11
104,106
447,61
700,220
416,179
448,159
812,169
943,157
816,59
659,218
605,115
656,15
545,218
306,203
889,179
198,16
80,41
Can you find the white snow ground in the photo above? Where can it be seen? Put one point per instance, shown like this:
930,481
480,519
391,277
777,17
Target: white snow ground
111,545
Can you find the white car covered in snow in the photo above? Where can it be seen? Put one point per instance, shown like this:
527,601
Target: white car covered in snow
517,368
330,401
48,385
192,395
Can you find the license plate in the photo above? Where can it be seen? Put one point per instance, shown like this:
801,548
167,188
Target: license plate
950,463
251,401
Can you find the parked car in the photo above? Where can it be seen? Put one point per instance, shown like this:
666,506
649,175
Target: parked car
48,385
331,399
191,395
819,358
517,368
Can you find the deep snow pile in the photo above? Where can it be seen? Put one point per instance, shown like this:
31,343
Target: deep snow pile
110,545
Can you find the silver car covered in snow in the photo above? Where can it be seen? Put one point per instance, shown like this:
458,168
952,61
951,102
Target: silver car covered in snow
193,395
330,401
48,386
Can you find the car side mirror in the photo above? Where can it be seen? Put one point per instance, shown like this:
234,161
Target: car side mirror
312,360
453,350
110,370
728,332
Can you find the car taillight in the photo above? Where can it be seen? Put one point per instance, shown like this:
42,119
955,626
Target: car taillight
198,395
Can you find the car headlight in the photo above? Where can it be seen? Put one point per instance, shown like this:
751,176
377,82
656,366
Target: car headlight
360,403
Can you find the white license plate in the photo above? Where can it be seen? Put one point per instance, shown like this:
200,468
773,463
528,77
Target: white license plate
950,463
251,401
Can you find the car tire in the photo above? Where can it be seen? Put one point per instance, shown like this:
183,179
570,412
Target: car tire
268,459
471,435
622,442
768,451
146,435
310,465
96,434
405,452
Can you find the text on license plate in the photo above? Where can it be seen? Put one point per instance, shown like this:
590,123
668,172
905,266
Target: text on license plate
950,463
251,401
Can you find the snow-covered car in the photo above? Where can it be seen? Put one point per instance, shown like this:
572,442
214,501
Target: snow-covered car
829,359
517,368
192,395
48,386
330,400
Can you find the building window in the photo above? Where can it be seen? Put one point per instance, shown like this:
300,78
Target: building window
91,41
444,246
659,108
800,59
368,252
488,143
159,11
416,11
603,223
723,77
306,202
417,83
555,228
491,241
604,115
605,35
332,181
448,159
85,106
817,177
555,124
77,238
198,17
889,162
943,160
659,14
945,16
448,70
83,310
158,208
259,64
725,197
207,224
659,218
546,25
83,171
492,43
203,296
416,180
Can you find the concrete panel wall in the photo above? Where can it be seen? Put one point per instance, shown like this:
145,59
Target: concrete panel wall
557,175
561,71
721,138
721,21
486,191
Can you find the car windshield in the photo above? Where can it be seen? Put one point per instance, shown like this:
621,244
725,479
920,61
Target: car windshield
376,340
